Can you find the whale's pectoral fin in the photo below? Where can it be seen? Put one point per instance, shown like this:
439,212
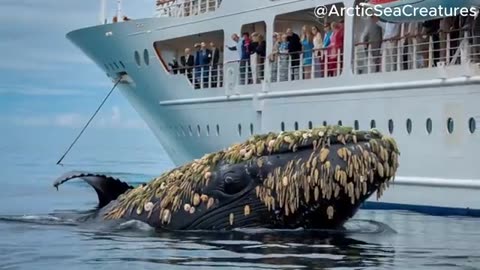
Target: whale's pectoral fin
107,187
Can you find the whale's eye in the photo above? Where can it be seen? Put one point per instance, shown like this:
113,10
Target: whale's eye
233,184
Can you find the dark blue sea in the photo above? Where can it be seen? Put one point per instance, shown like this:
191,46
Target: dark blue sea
37,233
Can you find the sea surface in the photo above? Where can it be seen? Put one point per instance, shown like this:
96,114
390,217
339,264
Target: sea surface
37,230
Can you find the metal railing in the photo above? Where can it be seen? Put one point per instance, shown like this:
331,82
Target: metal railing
454,47
185,8
202,76
304,65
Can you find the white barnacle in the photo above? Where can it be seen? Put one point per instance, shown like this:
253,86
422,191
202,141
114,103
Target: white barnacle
148,206
187,207
231,218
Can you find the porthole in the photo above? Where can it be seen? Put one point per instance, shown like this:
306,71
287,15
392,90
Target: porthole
296,125
390,126
190,131
251,129
122,64
282,126
199,131
429,126
472,124
340,123
356,125
450,125
116,66
409,126
373,124
208,130
310,124
218,130
146,57
240,130
137,58
325,123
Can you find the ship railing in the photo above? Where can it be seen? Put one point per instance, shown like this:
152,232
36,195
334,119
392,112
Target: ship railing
304,65
185,8
248,71
411,52
202,76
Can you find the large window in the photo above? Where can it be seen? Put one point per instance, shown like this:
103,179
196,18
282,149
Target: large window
306,47
197,57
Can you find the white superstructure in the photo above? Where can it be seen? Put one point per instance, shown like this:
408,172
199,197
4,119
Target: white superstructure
425,95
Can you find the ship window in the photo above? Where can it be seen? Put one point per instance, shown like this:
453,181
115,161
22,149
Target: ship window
170,52
116,66
296,125
340,123
240,130
218,130
182,131
429,126
472,124
356,124
390,126
190,131
295,20
409,126
373,124
137,58
282,126
122,64
208,130
251,129
199,132
310,124
450,125
325,123
146,57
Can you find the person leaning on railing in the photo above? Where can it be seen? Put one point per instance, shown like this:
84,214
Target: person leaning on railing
244,56
294,48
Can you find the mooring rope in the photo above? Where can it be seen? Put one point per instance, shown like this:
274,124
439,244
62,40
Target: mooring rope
88,123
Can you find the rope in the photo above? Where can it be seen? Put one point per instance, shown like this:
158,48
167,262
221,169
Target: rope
88,123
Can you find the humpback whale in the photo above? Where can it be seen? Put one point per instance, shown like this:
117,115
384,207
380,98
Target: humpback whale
314,179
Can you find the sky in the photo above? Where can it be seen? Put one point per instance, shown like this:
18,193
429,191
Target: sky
45,81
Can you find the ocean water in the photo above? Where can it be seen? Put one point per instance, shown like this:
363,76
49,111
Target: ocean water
37,230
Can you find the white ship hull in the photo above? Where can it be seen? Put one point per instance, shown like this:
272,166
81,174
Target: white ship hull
439,172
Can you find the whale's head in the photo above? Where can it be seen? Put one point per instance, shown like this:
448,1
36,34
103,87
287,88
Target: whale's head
311,179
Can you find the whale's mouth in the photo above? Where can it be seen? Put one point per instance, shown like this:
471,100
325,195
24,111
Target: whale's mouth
232,212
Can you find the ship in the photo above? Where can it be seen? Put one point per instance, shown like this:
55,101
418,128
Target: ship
425,92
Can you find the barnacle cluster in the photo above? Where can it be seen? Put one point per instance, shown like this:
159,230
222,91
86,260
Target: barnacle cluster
364,153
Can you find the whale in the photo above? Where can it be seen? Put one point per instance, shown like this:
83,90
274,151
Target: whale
313,179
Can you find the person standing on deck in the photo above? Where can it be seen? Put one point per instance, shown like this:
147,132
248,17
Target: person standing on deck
215,60
372,37
187,62
307,47
205,58
244,56
294,49
317,51
391,33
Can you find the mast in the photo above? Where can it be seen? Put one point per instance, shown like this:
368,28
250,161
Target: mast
103,10
119,10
